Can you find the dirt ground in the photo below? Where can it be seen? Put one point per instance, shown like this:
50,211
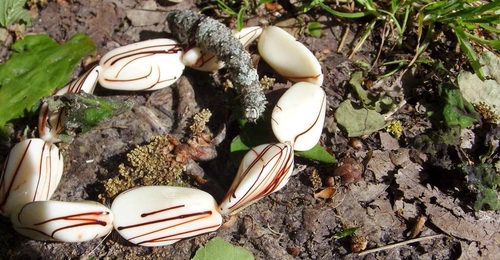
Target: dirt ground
398,186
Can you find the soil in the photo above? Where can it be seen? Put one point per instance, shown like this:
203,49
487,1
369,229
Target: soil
398,184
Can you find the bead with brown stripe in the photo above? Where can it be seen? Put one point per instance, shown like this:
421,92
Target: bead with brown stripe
163,215
263,170
147,65
63,221
31,172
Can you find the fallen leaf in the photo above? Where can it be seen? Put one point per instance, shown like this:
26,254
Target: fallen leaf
358,121
475,90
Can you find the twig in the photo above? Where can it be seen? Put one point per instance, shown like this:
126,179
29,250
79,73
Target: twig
210,35
420,239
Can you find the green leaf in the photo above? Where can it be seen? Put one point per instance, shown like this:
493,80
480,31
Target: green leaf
314,29
317,153
35,70
345,233
12,11
378,102
457,111
358,121
86,110
222,250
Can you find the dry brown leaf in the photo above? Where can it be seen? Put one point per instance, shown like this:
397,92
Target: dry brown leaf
444,213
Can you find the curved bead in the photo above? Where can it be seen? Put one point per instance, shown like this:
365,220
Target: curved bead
290,58
299,116
146,65
163,215
63,221
50,124
31,172
198,59
263,170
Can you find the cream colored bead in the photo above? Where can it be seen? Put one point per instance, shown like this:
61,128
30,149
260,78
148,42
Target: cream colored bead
263,170
288,57
63,221
31,172
163,215
146,65
299,116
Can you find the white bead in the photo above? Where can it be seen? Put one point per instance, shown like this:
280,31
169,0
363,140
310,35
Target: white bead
290,58
163,215
200,60
299,116
31,172
207,60
146,65
263,170
63,221
51,124
248,34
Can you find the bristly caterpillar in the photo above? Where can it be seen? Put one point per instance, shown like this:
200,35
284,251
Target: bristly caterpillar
208,34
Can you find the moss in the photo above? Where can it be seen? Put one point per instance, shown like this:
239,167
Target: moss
156,163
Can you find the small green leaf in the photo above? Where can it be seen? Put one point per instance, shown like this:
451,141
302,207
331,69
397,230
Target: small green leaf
317,153
358,121
12,11
457,111
345,233
86,110
222,250
35,70
314,29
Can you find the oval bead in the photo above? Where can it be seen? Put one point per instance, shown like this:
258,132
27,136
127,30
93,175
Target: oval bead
288,57
31,172
163,215
197,59
201,60
263,170
299,116
146,65
63,221
50,124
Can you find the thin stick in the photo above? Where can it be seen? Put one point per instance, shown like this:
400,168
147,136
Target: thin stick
400,244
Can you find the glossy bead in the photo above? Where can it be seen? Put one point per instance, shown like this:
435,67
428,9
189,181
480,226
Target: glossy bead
163,215
146,65
288,57
263,170
31,172
63,221
299,116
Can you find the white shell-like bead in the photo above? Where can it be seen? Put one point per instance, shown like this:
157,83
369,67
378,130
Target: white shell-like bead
31,172
51,124
248,34
146,65
63,221
207,61
202,61
299,116
263,170
290,58
163,215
